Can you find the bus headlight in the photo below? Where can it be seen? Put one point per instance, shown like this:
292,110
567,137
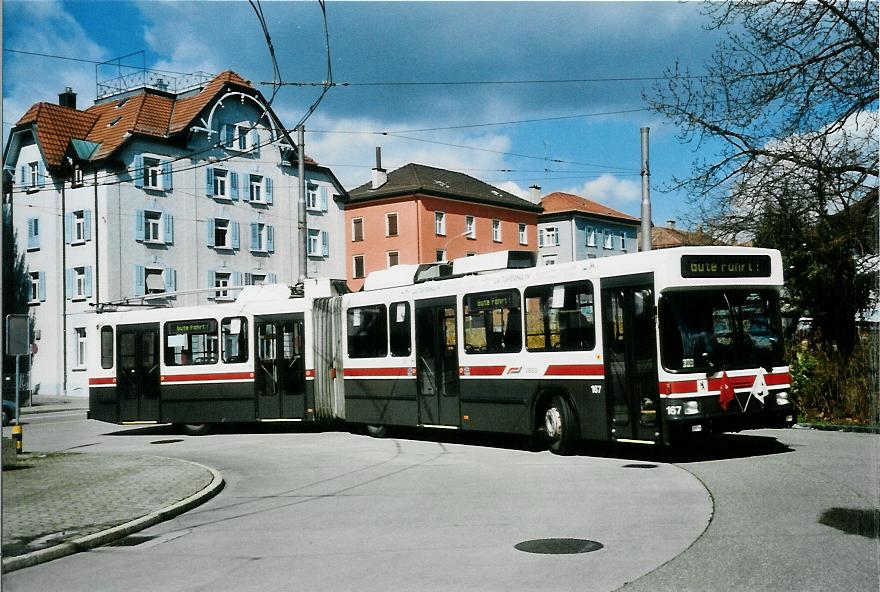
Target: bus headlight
782,398
691,408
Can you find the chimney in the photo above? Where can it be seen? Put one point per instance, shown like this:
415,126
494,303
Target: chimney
67,98
535,194
671,224
380,175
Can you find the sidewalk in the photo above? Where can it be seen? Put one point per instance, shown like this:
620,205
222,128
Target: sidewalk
58,504
49,403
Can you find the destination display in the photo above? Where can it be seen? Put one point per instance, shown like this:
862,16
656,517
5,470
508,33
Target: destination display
184,327
725,266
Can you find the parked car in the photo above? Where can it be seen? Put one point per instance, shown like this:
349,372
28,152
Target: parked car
8,411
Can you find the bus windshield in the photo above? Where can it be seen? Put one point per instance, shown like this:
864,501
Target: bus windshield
723,329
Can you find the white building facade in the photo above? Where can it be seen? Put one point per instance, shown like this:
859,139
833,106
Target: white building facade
149,192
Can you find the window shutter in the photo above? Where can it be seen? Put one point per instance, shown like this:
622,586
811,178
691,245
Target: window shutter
236,278
169,228
324,198
139,280
255,236
22,175
41,174
88,278
139,226
325,243
248,279
246,187
212,280
541,237
270,239
209,181
267,187
166,175
68,228
233,183
87,225
170,279
138,172
254,142
228,134
271,278
68,282
210,232
236,236
42,276
33,239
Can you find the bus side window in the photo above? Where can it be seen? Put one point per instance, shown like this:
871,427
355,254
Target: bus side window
235,345
106,347
189,343
492,322
367,332
399,334
560,317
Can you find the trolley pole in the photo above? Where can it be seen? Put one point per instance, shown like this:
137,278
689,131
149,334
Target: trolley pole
301,225
646,194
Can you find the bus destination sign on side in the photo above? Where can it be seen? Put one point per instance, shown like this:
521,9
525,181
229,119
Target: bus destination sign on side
180,327
725,266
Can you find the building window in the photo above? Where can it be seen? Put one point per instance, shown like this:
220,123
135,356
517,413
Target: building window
240,136
219,183
357,230
221,280
591,236
314,244
79,227
312,198
152,227
623,241
393,258
262,237
440,223
34,174
496,231
470,227
256,188
38,287
608,239
81,347
222,236
154,280
152,173
391,224
357,264
440,255
523,235
77,177
33,238
549,237
79,282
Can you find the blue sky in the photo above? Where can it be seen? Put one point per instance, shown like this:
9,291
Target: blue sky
382,42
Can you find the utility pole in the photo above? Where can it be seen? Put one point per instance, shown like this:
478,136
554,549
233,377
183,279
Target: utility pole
646,193
301,202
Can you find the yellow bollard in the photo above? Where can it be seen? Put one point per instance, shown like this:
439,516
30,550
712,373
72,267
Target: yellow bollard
16,435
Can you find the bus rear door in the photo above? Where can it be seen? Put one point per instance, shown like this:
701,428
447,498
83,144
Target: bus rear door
437,363
138,372
280,367
631,357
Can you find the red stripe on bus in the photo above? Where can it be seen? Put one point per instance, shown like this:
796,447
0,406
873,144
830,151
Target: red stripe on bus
481,370
575,370
107,380
207,377
358,372
682,387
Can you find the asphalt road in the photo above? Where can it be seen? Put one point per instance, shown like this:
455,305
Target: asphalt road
311,510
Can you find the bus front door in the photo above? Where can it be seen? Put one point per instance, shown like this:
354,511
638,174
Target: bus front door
280,367
138,372
631,360
437,363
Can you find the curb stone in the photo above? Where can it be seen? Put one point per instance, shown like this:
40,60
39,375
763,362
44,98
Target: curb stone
120,531
857,429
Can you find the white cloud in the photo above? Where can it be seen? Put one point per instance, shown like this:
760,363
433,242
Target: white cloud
609,190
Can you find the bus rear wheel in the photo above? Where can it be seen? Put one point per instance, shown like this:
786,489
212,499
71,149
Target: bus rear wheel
195,429
377,431
559,427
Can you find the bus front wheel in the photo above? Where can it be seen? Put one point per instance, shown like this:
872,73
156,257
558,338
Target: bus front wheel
559,427
195,429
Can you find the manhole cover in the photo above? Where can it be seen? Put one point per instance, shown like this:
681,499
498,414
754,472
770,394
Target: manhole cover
640,466
166,441
559,546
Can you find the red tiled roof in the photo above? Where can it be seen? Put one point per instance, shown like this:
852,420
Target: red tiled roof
558,202
666,238
110,124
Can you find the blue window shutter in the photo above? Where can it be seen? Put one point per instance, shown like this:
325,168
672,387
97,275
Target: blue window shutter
210,232
325,243
139,281
233,183
88,278
255,236
169,228
236,236
271,278
68,282
246,187
324,198
229,134
248,279
166,176
68,228
32,240
540,237
138,172
22,175
87,225
255,141
139,233
209,181
268,189
236,278
41,174
170,278
212,279
42,275
270,239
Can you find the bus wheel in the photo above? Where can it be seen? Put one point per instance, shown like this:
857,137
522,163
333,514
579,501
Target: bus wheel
195,429
377,431
559,426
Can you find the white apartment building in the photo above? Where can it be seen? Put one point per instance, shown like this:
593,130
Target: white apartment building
151,191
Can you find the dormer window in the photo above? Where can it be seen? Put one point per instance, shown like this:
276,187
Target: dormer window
77,176
240,137
114,121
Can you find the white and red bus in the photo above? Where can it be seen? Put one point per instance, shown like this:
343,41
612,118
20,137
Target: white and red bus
642,347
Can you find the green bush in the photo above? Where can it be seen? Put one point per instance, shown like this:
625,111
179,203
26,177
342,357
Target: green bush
825,386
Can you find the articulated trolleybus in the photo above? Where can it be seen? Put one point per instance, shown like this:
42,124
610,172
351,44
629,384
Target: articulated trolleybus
646,347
